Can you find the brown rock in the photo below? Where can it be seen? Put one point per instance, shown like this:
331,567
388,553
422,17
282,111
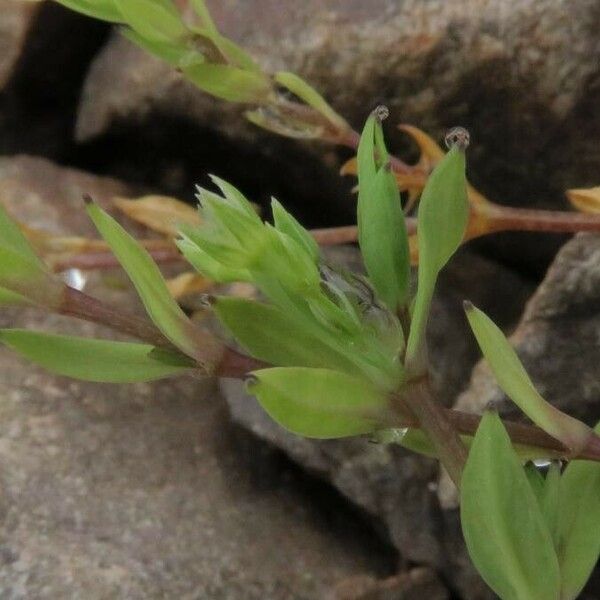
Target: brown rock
522,76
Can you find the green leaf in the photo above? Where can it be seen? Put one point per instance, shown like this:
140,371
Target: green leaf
306,92
381,229
550,500
175,54
208,266
230,83
506,535
319,403
204,15
516,384
8,298
536,480
270,334
12,237
104,10
285,223
579,525
22,277
94,360
153,19
442,220
230,52
149,283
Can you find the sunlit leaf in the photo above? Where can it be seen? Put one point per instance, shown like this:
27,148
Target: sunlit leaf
230,83
381,229
516,384
160,213
579,525
149,283
105,10
95,360
442,220
319,403
506,535
271,335
306,92
585,200
153,19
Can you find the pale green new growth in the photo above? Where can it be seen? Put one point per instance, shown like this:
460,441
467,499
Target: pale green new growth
442,220
515,382
319,403
150,285
95,360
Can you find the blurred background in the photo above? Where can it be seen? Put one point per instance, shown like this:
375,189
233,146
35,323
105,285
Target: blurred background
183,488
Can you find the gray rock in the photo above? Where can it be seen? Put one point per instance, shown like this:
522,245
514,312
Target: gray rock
414,585
146,490
557,338
521,75
15,20
398,488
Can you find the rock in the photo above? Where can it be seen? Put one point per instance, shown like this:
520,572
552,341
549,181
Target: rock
412,585
515,74
47,196
396,487
44,52
15,20
557,338
146,490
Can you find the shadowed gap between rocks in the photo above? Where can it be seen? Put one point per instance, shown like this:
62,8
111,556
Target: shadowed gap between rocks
39,102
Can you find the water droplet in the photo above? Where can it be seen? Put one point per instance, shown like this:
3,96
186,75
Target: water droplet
382,112
75,278
457,136
541,463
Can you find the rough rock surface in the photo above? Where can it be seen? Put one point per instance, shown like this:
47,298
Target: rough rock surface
16,18
146,491
522,75
398,488
414,585
557,338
